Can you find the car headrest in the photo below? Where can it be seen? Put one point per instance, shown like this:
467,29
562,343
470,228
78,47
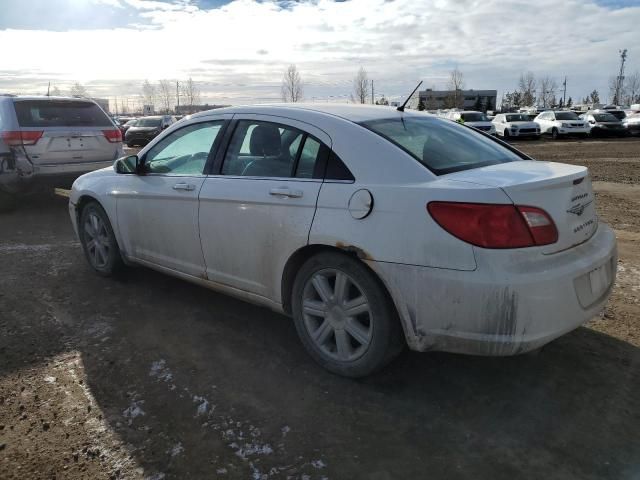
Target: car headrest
265,140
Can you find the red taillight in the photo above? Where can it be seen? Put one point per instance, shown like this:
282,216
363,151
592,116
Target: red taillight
495,226
113,136
542,228
16,138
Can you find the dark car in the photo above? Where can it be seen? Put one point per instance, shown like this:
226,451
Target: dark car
146,129
127,125
604,123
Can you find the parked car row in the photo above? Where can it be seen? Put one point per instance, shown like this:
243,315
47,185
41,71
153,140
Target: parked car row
555,123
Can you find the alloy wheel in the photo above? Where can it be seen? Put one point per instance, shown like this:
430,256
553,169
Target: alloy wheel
97,241
337,315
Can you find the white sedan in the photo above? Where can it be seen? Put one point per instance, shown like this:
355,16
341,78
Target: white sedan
516,125
373,228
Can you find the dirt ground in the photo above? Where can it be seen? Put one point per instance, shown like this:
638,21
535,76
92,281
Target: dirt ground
150,377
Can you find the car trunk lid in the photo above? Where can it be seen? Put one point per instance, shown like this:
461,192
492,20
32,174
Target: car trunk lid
563,191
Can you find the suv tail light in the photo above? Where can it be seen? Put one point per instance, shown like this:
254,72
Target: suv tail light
495,226
114,135
16,138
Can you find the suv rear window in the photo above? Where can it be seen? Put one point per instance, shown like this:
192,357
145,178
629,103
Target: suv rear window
441,146
52,113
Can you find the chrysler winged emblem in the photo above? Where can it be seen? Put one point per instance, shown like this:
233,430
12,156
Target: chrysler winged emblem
578,208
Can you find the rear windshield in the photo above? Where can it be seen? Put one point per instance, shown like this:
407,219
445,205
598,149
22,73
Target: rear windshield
474,117
52,113
604,117
619,114
518,117
442,146
566,116
148,122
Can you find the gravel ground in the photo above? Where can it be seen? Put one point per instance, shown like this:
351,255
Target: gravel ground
150,377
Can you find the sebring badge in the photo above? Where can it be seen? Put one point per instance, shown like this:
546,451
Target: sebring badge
578,209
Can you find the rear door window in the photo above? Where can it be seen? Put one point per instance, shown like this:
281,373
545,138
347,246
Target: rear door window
442,147
56,113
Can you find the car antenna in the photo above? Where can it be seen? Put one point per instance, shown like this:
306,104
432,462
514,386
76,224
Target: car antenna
401,107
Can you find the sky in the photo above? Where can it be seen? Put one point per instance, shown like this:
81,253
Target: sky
236,51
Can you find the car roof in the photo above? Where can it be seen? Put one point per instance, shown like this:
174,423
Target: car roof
352,112
45,98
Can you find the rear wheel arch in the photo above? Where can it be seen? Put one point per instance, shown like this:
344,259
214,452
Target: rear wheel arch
300,256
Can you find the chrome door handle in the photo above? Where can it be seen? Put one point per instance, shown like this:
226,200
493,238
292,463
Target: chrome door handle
184,186
285,192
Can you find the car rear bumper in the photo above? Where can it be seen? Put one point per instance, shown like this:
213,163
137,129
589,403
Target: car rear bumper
503,310
21,174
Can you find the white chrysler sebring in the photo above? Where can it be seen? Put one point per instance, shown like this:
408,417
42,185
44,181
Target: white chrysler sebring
372,227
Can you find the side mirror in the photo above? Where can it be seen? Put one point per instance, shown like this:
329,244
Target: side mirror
128,165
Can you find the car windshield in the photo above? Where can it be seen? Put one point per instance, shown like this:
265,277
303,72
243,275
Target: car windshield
442,146
474,117
60,113
566,116
604,117
619,114
131,123
520,117
148,122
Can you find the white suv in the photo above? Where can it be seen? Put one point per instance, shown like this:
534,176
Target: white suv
563,123
516,125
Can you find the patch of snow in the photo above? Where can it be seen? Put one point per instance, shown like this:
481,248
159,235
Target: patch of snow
203,405
50,379
177,449
133,411
285,430
160,371
318,464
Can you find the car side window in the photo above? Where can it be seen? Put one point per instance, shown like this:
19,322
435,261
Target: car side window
263,149
308,158
185,151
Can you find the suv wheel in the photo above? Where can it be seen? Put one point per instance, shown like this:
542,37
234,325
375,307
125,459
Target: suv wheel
344,316
554,133
98,241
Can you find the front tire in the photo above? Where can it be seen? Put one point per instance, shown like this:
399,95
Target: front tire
344,316
505,134
98,240
554,134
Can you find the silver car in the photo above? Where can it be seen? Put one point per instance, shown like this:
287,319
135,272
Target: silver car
52,140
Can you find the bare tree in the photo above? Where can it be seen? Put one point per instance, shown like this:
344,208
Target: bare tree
548,87
527,85
78,90
455,85
292,88
191,93
360,87
632,88
149,94
165,95
55,91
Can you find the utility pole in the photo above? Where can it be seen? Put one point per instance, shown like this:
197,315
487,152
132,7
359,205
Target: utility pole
48,88
620,79
372,101
177,98
564,91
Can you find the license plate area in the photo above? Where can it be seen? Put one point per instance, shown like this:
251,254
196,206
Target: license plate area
593,285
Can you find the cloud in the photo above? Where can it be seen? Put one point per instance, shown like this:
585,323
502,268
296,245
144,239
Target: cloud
240,48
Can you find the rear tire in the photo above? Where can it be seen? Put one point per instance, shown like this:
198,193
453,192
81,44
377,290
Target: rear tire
98,240
344,316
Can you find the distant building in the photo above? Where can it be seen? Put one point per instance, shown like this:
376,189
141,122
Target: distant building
187,109
466,99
